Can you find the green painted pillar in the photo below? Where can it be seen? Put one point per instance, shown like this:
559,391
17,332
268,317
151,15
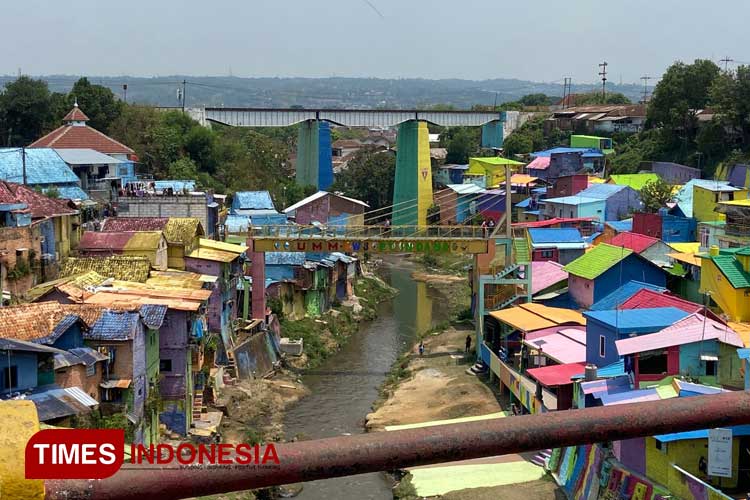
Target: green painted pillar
314,154
412,190
492,133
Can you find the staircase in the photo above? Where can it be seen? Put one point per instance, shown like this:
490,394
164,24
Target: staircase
521,251
197,405
230,371
542,458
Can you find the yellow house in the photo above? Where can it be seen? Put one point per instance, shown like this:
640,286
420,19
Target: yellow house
708,194
492,168
182,235
667,456
725,276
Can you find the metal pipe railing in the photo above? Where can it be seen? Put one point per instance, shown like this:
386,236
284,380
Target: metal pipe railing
384,451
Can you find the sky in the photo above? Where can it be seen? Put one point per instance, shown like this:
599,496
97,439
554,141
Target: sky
539,40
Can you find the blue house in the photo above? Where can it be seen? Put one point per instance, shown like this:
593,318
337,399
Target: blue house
25,366
280,265
604,328
44,170
562,245
620,200
620,295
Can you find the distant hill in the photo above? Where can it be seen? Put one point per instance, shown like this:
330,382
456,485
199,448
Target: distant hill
322,92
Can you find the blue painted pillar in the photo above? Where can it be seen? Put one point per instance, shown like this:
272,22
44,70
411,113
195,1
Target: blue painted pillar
314,161
492,133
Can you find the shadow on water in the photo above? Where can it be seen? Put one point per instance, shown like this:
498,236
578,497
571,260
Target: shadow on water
344,388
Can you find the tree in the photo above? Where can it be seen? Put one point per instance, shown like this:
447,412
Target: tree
369,177
460,143
730,96
655,195
680,94
536,100
24,111
596,98
518,143
98,102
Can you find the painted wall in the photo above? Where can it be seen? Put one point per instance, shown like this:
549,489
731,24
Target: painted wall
568,186
594,209
674,173
76,376
684,454
690,362
413,173
581,290
730,367
621,204
633,268
152,356
73,337
648,224
26,370
173,345
632,454
678,229
731,300
704,202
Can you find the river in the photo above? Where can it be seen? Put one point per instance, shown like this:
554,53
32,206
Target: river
343,389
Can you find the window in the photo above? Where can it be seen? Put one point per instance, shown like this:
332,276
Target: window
662,447
602,345
165,365
654,363
91,370
704,237
547,254
710,368
10,377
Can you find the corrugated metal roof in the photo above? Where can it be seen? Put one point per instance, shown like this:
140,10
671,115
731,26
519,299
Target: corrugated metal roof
636,181
59,403
572,200
465,188
178,186
119,267
555,235
223,246
114,325
118,383
610,385
634,241
82,156
635,320
561,346
598,260
601,191
539,163
620,225
285,258
529,317
737,431
585,152
545,274
71,193
78,356
732,269
645,298
43,166
557,375
22,345
213,255
693,328
614,299
121,241
253,200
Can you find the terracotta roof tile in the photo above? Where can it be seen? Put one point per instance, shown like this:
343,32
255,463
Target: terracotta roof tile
76,115
119,267
115,242
77,137
119,224
37,322
41,206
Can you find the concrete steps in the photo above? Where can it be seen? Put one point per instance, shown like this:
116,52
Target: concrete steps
542,458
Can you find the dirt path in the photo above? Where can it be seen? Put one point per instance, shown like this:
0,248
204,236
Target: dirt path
436,388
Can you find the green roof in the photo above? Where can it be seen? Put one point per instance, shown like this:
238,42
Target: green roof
494,160
597,260
732,269
636,181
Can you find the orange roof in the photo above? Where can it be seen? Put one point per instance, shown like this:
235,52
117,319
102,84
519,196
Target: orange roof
151,290
212,254
133,300
522,179
76,115
530,317
687,258
79,136
38,320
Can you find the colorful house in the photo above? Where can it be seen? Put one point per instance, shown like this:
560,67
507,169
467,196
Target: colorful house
692,347
736,231
561,245
591,141
668,228
457,202
449,174
605,268
135,269
26,366
604,328
704,195
675,174
560,162
149,244
492,169
573,207
647,247
328,208
616,298
568,185
621,201
725,276
45,170
611,228
547,277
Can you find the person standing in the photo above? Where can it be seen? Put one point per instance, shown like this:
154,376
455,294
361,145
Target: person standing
468,343
421,347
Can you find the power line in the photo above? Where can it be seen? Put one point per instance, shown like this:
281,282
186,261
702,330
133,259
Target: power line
645,79
726,62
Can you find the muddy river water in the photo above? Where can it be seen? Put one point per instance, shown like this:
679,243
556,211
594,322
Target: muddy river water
344,388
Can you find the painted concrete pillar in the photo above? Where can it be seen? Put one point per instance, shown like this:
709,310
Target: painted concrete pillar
314,160
258,274
492,133
412,189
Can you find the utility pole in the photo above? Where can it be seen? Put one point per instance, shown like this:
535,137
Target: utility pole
23,164
184,85
726,62
125,92
566,90
645,79
603,74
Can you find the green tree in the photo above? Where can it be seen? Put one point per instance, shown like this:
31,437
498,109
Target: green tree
596,98
730,96
24,111
517,144
369,177
98,102
655,195
682,91
537,100
461,143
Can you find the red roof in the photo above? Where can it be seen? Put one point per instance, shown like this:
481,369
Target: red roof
634,241
552,222
120,224
81,137
649,299
76,115
555,375
41,206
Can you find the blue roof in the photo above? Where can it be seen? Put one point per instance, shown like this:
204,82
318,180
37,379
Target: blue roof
113,325
237,223
572,200
153,315
43,166
684,197
620,225
623,396
585,152
285,258
622,294
636,320
555,235
253,200
738,430
539,190
524,204
616,369
72,193
601,191
176,185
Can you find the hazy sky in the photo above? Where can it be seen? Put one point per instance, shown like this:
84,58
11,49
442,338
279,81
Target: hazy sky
542,40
